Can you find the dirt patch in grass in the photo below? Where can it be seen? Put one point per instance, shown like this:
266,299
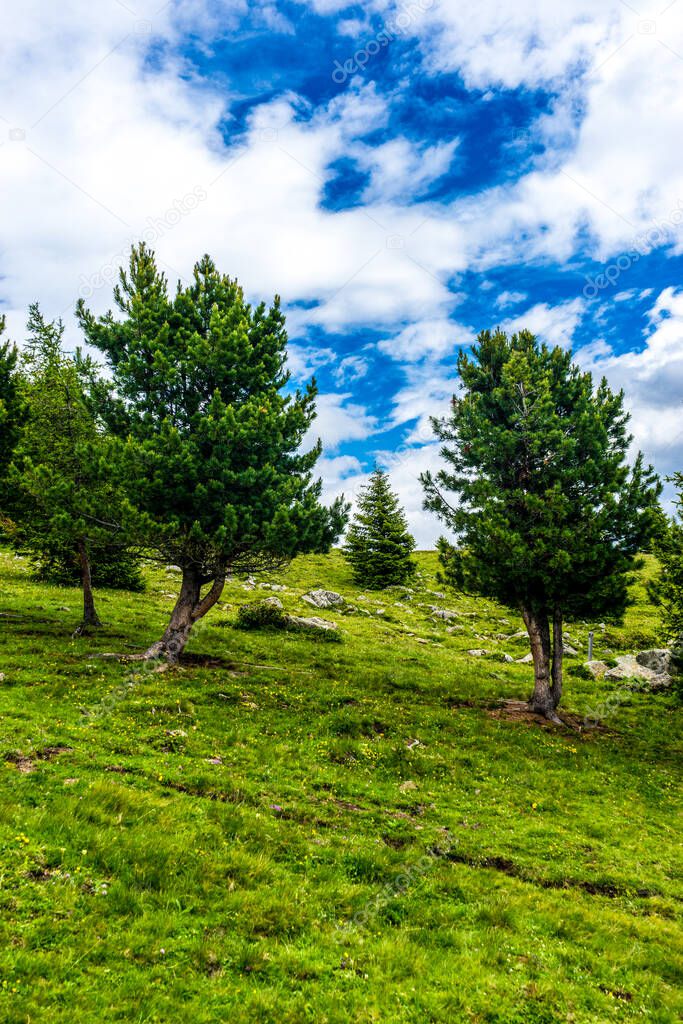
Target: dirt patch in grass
25,765
518,711
612,890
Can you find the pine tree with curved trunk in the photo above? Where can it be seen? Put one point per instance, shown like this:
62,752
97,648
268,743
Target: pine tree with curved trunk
549,519
378,545
208,432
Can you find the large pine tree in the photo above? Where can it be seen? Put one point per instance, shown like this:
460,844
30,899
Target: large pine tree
547,514
378,545
209,433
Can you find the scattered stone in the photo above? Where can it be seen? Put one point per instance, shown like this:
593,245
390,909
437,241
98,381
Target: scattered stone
323,599
528,659
273,602
569,651
508,659
408,787
479,654
215,760
175,732
2,677
443,613
455,629
519,635
380,611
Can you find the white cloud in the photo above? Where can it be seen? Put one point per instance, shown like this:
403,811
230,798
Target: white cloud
553,324
652,379
426,339
340,420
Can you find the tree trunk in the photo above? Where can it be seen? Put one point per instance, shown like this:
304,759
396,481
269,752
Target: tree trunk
90,616
542,701
189,608
558,654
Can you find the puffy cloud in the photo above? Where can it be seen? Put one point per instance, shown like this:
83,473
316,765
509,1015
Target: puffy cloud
340,420
652,379
426,339
553,324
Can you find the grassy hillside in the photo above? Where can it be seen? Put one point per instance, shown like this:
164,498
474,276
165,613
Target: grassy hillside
286,830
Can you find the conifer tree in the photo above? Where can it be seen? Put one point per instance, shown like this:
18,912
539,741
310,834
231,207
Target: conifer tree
11,412
547,515
666,589
209,433
62,497
378,545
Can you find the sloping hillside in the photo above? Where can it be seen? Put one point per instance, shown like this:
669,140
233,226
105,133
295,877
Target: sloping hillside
290,830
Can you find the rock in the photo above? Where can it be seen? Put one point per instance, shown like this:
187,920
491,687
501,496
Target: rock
628,667
408,786
380,611
520,635
596,668
323,599
312,623
479,654
508,659
272,602
528,659
2,677
658,661
443,613
455,629
569,651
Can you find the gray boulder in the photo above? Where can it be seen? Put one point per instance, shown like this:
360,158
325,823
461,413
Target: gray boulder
658,661
629,668
311,623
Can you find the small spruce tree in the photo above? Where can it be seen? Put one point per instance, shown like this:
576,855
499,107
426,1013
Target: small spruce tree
378,545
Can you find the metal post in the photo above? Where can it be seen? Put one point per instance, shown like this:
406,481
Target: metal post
590,645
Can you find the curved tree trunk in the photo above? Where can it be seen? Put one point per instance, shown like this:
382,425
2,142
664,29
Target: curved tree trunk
189,608
542,701
90,616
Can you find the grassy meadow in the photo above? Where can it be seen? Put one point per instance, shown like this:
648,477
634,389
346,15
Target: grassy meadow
287,830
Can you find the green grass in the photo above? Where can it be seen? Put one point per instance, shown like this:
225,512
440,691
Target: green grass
235,840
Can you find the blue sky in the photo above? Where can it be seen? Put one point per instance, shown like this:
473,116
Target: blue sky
403,174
